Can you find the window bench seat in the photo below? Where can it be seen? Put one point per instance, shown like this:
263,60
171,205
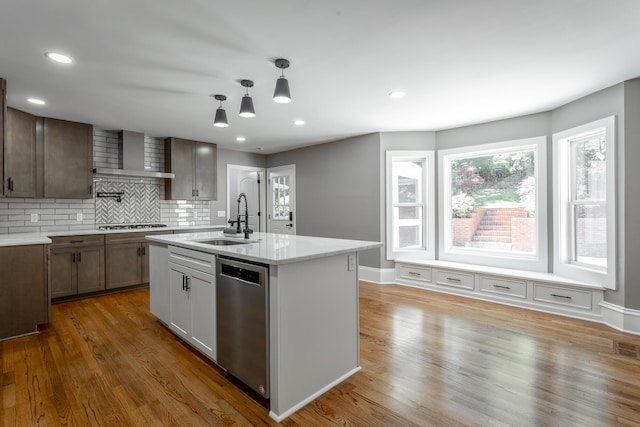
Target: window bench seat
544,292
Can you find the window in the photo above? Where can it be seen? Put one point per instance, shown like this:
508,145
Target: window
584,202
493,204
410,204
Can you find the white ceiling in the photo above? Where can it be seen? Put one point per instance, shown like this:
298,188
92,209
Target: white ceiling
151,65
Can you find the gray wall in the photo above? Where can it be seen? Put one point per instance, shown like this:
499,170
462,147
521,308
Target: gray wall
338,190
230,157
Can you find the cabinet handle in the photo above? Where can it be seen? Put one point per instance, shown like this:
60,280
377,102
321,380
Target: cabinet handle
79,256
184,282
10,184
413,273
453,279
188,284
198,193
73,257
501,287
561,296
91,190
138,251
193,192
144,251
76,241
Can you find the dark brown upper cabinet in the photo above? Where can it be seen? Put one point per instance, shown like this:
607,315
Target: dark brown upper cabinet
68,159
20,171
195,167
3,113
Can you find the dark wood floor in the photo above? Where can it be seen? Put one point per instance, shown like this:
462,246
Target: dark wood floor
427,359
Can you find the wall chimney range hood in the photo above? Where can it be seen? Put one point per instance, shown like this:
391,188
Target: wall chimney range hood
132,146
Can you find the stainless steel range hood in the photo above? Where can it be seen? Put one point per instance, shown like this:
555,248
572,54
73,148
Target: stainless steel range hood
132,146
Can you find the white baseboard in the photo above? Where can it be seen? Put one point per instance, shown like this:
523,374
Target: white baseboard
621,318
380,276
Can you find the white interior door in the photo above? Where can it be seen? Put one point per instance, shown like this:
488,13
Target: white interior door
247,180
281,200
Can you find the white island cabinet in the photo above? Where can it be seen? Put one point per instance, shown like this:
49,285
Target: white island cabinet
312,300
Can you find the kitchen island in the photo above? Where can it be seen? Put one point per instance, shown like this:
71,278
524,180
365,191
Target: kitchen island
312,304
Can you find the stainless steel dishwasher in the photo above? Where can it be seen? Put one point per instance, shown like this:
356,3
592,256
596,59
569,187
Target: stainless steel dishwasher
242,316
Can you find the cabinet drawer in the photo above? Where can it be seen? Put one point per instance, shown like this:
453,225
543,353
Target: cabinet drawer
200,261
456,280
76,241
421,274
511,288
562,296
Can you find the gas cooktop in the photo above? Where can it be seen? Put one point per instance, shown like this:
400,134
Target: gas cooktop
129,226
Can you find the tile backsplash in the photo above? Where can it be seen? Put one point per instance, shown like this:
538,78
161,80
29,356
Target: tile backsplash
143,200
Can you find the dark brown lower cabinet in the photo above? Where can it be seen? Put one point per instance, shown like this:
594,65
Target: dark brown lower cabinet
127,259
24,299
77,265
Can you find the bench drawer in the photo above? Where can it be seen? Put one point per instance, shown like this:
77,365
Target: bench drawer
510,288
562,296
421,274
456,280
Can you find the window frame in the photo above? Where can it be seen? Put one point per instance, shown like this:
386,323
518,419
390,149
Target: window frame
539,261
563,188
427,251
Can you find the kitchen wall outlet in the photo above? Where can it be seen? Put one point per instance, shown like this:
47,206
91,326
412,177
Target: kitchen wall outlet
34,217
351,262
222,214
195,214
79,216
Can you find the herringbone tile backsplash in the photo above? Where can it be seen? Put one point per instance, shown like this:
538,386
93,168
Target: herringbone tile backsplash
140,203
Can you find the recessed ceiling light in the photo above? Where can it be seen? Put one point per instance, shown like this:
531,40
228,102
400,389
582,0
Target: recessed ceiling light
241,139
397,94
298,122
36,101
59,57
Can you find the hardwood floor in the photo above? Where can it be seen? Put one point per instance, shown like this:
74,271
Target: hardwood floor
427,359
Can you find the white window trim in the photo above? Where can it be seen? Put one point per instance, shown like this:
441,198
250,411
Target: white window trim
537,262
428,221
561,230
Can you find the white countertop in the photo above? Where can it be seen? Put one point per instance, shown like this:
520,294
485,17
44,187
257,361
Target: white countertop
268,248
18,239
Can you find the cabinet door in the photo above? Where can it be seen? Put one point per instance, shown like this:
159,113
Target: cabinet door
90,265
68,159
205,171
202,296
63,272
144,263
123,265
159,283
20,154
23,292
178,301
3,113
179,159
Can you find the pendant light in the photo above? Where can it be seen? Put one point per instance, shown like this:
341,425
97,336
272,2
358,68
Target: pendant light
221,115
282,95
246,106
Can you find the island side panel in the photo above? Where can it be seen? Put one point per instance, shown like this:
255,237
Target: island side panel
314,329
159,287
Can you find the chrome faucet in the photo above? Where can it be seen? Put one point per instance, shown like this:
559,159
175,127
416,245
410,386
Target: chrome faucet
246,230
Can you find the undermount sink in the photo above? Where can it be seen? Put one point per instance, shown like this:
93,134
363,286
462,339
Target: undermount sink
226,242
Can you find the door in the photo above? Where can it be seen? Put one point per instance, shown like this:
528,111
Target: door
281,200
20,154
178,301
90,261
202,297
181,159
123,265
248,180
205,171
63,272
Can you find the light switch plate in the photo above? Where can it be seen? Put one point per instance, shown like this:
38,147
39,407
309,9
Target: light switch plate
34,217
222,214
79,216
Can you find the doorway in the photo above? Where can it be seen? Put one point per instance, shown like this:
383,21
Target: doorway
281,200
250,181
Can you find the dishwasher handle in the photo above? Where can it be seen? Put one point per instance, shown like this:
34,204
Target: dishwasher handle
248,273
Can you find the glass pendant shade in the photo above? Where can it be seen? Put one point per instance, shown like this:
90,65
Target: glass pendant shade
221,118
282,95
246,107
